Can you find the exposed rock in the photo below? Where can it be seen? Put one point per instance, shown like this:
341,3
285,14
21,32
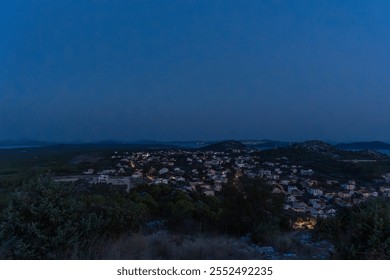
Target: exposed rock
265,250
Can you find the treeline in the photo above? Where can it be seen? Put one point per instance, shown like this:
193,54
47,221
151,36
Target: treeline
48,220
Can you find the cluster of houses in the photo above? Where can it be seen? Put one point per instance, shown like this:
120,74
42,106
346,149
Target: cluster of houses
208,171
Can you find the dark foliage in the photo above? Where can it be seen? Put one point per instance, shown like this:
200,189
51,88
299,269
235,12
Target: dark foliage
46,220
360,232
250,206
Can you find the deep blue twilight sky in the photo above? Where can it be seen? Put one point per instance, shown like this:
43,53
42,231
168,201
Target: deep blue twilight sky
74,70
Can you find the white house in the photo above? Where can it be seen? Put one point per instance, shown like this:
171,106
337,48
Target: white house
209,192
349,187
89,171
163,171
307,172
103,179
293,190
315,192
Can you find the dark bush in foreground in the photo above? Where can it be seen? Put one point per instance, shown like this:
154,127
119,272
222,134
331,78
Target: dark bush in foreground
46,220
360,232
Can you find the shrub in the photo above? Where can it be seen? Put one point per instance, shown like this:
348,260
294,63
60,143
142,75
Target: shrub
44,220
360,232
48,220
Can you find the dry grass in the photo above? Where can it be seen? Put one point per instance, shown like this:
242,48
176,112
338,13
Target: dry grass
177,247
290,242
283,242
168,246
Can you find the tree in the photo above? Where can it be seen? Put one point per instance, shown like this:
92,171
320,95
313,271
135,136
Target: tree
250,206
49,220
45,221
360,232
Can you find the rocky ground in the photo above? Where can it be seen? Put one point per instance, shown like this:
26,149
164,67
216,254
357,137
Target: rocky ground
165,245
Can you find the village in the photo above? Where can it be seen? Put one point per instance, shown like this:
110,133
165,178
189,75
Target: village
208,171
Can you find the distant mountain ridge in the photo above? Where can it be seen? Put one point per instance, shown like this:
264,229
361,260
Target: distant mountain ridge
230,144
25,143
372,145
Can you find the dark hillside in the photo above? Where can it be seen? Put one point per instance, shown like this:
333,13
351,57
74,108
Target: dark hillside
225,145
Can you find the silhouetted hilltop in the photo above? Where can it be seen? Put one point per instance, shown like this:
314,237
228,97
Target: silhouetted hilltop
265,144
317,146
225,145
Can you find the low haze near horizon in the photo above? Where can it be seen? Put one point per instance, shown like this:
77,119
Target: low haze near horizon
188,70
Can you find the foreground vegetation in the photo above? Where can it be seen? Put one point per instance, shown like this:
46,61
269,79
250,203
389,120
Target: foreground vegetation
360,232
48,220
